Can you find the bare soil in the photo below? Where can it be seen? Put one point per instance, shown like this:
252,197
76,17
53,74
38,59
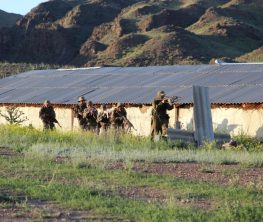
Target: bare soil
223,175
14,207
18,208
219,174
8,152
162,197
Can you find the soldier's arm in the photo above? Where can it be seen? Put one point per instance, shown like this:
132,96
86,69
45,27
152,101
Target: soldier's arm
124,112
95,114
169,106
85,113
52,116
53,113
78,111
99,117
42,114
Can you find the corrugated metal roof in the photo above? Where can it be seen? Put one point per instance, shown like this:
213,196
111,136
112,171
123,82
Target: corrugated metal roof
228,84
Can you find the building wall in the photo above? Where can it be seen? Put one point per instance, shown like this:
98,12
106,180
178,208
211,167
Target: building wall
63,115
229,120
140,118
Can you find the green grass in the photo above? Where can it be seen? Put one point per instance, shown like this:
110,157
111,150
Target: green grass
130,11
99,191
79,146
85,179
129,53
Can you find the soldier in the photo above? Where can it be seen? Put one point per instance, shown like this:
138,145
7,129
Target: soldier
90,114
118,117
78,112
160,118
48,116
103,119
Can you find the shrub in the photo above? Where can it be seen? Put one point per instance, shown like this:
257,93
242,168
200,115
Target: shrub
248,143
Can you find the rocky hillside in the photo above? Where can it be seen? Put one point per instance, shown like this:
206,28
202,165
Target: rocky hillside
135,32
8,19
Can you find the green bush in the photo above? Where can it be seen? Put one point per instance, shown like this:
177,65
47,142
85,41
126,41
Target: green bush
248,143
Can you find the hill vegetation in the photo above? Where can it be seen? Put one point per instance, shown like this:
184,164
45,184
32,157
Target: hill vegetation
135,32
8,19
7,69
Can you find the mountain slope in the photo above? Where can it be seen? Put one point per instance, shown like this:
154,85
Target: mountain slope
254,56
134,32
8,19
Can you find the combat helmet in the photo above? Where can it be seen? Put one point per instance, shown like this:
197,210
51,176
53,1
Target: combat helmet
90,103
81,98
160,94
46,102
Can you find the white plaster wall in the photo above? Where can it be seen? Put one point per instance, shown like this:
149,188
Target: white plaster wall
141,119
172,119
236,121
186,118
230,120
63,116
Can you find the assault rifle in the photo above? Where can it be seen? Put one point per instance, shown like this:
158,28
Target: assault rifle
173,99
58,124
56,121
128,123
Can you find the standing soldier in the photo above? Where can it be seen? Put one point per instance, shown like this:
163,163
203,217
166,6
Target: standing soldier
103,119
48,116
78,112
160,118
90,114
118,117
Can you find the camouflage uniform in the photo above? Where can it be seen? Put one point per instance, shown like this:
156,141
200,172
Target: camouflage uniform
160,118
118,117
103,120
48,116
78,112
90,114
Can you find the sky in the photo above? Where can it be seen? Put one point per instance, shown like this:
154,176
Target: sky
19,6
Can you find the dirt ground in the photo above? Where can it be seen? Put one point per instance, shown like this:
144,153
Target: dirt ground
18,208
8,152
14,207
220,174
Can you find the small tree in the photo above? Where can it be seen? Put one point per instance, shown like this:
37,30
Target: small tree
13,115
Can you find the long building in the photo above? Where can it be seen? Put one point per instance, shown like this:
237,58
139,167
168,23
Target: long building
235,91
